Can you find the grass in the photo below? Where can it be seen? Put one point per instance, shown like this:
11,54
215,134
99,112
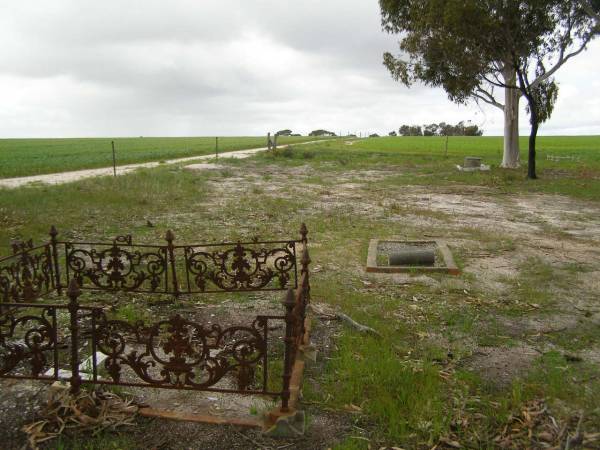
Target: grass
414,385
103,441
22,157
423,161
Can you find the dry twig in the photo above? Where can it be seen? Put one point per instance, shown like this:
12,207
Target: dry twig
89,411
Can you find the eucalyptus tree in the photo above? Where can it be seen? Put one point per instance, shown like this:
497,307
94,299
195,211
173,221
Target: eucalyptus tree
475,49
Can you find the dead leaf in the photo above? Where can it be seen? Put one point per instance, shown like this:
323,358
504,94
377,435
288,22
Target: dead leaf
450,442
353,408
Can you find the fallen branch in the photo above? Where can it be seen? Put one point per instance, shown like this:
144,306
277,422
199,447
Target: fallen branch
333,315
359,327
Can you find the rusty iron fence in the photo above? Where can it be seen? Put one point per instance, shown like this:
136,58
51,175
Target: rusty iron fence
79,344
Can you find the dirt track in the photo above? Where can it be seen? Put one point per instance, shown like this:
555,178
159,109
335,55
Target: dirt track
76,175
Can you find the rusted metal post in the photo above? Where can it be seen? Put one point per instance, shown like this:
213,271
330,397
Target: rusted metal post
54,245
73,293
304,233
305,287
170,237
288,303
305,260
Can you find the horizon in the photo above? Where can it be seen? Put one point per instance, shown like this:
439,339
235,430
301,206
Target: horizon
265,135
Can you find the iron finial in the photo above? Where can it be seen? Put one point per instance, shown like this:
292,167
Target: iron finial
73,290
303,232
289,299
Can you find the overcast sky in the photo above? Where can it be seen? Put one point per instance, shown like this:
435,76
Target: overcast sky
73,68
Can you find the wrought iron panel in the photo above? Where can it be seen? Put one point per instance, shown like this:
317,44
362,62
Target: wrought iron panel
27,274
240,267
28,342
118,267
178,353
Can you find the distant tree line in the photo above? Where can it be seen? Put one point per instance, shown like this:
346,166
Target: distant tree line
321,133
286,133
439,129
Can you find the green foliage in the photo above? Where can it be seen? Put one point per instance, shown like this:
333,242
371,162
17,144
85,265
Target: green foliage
462,45
544,97
471,48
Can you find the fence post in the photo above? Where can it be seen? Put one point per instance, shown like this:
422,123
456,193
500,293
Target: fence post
446,151
288,303
54,244
217,148
114,158
170,237
73,293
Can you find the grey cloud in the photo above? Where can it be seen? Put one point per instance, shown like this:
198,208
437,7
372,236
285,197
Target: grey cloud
188,67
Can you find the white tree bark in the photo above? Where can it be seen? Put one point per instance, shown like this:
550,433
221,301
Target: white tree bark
512,154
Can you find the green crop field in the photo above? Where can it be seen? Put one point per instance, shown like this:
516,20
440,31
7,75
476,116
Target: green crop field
583,148
22,157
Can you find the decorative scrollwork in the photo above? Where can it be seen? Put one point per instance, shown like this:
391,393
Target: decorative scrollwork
116,268
24,341
26,275
180,353
240,268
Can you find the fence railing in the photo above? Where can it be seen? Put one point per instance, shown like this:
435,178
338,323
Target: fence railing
28,273
174,353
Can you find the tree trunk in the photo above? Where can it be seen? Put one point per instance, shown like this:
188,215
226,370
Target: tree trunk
531,173
511,158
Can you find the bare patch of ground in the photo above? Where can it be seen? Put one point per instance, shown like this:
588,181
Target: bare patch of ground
500,365
525,326
493,234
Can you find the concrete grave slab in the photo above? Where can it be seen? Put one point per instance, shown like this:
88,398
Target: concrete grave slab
445,261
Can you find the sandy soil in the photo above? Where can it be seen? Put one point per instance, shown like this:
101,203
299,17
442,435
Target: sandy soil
558,230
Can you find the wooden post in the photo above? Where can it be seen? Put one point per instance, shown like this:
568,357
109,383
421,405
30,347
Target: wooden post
74,292
217,148
288,303
54,244
446,152
114,158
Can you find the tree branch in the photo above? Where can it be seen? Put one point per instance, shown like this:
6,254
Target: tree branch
561,60
488,98
496,83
